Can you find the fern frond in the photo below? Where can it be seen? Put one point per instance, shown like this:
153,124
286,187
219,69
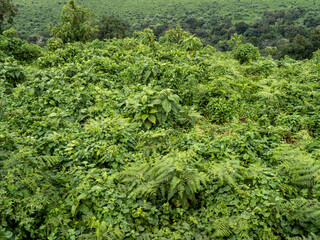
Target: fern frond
167,177
301,167
47,160
222,228
306,211
228,172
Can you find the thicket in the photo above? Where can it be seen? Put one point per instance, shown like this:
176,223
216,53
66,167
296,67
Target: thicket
138,139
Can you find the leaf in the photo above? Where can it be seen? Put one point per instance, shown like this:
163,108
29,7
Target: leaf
155,71
139,116
153,110
144,117
162,117
73,209
174,98
148,125
152,118
144,99
175,181
81,196
166,105
147,74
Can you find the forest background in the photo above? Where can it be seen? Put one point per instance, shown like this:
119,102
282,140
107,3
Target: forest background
277,27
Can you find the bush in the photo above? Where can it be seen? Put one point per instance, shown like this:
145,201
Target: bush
246,53
17,48
13,73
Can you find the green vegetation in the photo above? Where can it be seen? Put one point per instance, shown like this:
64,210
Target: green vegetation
290,27
7,12
112,27
141,139
77,24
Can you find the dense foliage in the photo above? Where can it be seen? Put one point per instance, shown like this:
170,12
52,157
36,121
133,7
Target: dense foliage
112,27
77,24
139,139
284,27
7,12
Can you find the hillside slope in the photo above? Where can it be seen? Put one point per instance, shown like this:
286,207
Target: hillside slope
136,139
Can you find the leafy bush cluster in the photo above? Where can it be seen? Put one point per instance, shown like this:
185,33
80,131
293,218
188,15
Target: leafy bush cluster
19,49
138,139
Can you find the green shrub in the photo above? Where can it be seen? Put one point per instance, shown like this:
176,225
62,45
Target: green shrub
17,48
158,108
13,73
246,53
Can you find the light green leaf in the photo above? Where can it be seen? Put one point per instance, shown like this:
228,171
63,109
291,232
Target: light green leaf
153,110
144,117
152,118
139,116
166,105
144,99
175,181
73,209
81,196
174,98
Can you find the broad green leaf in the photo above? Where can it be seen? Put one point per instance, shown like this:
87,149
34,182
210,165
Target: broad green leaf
139,116
81,196
166,105
155,101
144,99
152,118
155,71
153,110
148,125
144,117
174,98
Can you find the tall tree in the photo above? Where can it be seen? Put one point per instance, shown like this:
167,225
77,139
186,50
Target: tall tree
7,12
77,24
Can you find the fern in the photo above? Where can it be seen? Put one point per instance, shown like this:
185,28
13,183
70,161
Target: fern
104,231
305,213
302,169
311,236
228,172
168,177
222,228
25,161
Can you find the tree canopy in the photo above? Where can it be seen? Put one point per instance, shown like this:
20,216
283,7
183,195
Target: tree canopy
77,24
112,27
7,12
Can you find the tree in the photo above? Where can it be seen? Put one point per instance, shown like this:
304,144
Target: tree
112,27
246,52
7,12
315,39
77,24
